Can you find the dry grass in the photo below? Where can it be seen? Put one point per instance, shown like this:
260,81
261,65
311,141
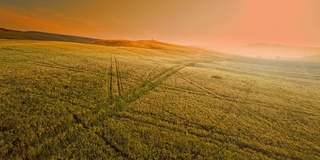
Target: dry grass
68,100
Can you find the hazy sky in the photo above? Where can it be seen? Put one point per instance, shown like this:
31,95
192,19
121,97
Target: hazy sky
191,22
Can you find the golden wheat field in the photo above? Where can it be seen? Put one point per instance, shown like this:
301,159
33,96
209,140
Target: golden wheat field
62,100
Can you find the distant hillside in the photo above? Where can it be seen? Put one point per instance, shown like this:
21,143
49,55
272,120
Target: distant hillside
147,44
268,51
150,44
277,50
33,35
312,58
172,49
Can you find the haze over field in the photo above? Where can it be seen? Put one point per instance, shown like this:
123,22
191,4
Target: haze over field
268,51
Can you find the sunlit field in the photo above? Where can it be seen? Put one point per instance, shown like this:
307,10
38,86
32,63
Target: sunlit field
61,100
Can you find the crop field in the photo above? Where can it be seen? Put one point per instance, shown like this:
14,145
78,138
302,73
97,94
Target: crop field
61,100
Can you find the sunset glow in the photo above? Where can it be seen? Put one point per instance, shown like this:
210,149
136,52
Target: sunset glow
209,22
160,79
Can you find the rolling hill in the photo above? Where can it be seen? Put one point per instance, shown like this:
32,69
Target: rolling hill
147,44
33,35
150,44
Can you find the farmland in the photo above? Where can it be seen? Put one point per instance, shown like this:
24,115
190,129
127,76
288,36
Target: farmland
67,100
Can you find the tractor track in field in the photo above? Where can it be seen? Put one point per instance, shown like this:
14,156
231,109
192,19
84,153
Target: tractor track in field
263,119
79,120
205,138
148,85
221,96
157,79
153,82
109,143
200,87
187,123
160,78
168,128
183,90
110,80
143,89
118,75
115,75
73,125
147,73
129,97
228,110
150,72
126,96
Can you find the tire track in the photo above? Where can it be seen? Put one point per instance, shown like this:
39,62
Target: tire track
146,74
79,120
212,139
154,82
119,85
228,110
144,83
147,77
186,123
110,79
84,128
109,143
145,88
221,96
183,90
199,86
126,100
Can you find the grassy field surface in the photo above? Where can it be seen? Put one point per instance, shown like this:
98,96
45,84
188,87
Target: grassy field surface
66,100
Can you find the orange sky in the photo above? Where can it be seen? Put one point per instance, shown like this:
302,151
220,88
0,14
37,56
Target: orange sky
190,22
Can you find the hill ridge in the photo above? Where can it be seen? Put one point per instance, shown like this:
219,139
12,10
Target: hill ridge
37,35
